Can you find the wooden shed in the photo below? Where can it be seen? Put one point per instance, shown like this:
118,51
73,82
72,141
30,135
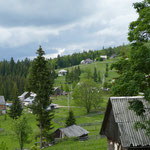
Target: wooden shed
118,125
71,131
2,105
57,91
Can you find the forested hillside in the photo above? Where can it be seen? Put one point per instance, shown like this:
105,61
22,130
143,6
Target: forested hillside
13,74
76,58
13,77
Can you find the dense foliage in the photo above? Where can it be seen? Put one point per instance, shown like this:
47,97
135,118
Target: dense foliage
135,71
15,109
13,74
13,77
22,130
87,94
76,58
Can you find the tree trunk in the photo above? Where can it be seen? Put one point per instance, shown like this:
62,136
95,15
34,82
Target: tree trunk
40,136
21,142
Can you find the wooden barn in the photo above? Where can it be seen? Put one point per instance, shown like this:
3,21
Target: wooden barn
57,91
118,125
71,131
2,105
24,96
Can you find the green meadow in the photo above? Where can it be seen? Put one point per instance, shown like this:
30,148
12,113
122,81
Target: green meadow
91,122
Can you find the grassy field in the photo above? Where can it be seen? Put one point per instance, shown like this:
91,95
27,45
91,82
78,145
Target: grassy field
100,66
91,122
8,135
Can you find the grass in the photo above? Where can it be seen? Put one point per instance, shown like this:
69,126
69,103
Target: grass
92,144
100,66
8,135
91,122
60,114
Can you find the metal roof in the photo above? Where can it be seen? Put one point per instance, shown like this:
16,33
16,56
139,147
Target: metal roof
2,100
74,131
23,95
126,119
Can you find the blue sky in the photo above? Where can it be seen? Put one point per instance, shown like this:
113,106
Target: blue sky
62,26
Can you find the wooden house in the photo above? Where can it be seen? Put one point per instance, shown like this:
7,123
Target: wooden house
104,57
86,61
2,105
24,96
62,72
118,125
57,91
71,131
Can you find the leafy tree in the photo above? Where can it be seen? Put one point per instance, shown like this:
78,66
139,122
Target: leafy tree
66,88
3,146
35,148
134,72
70,119
86,93
22,130
40,82
15,109
106,74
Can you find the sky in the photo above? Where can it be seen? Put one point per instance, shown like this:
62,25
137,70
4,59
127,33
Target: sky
62,26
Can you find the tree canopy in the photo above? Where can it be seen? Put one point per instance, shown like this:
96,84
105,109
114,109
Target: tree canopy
87,94
135,70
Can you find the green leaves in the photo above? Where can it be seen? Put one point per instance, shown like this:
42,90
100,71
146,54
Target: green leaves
22,130
139,30
87,94
138,107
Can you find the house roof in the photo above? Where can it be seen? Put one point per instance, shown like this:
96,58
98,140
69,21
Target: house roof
125,120
74,131
2,100
62,71
23,95
104,56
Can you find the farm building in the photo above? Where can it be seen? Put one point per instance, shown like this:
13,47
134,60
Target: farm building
71,131
57,91
52,106
113,56
118,125
62,72
104,57
24,96
2,105
87,61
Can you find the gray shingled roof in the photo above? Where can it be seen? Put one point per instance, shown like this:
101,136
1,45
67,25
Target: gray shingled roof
2,100
126,118
74,131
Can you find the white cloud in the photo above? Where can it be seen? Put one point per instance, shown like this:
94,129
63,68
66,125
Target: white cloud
69,25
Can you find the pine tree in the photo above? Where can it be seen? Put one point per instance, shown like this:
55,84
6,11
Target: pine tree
15,109
40,82
70,119
14,92
95,75
99,77
106,67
